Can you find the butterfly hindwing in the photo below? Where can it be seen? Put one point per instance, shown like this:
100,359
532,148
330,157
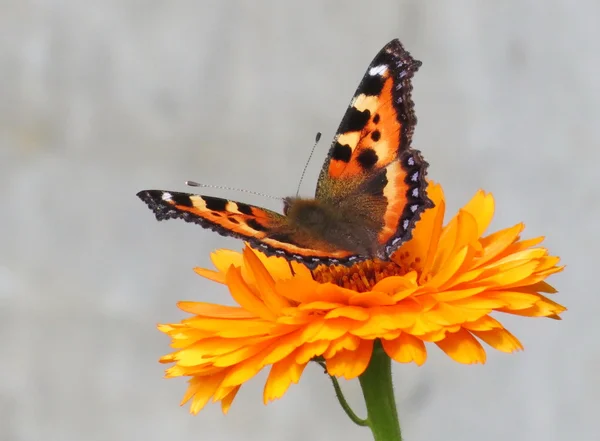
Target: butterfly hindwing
264,229
371,151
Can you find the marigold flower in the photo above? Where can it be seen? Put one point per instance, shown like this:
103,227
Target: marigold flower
440,288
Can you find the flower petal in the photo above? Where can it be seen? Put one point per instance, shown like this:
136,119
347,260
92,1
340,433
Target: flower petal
500,339
264,282
405,349
481,207
462,347
212,310
282,375
244,296
350,364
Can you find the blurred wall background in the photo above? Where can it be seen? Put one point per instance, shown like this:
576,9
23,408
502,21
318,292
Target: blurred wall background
99,100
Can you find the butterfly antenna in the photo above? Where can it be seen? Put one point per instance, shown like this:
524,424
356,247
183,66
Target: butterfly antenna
221,187
317,139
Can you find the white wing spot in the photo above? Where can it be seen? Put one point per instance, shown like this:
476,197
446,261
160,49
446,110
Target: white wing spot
415,177
411,161
414,208
378,70
415,193
405,224
396,240
166,196
279,252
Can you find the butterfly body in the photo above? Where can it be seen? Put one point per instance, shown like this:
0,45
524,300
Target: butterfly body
370,193
332,227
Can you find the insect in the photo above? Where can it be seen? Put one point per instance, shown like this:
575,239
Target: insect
370,193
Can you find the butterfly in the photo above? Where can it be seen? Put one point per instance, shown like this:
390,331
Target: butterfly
370,193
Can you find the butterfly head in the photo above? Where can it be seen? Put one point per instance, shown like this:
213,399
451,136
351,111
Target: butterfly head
287,203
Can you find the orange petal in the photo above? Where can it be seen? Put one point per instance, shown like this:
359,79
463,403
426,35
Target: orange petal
282,374
481,207
202,389
394,284
434,242
496,243
350,364
265,284
448,314
228,399
462,347
244,296
349,342
241,355
212,310
284,347
500,339
485,323
513,300
243,371
371,298
351,312
333,329
405,349
386,318
215,276
309,350
450,268
222,259
459,294
426,233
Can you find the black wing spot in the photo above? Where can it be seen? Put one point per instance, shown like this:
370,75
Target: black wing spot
376,118
244,208
376,135
367,158
355,120
253,223
372,85
182,199
233,220
341,152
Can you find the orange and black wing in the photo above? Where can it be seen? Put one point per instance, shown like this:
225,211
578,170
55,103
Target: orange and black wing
371,162
263,229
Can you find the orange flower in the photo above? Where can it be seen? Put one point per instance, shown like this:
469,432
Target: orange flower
441,288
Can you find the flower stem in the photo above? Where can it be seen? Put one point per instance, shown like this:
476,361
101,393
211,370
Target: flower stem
378,390
342,399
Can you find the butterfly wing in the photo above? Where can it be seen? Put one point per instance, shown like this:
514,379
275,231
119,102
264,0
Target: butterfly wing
371,167
263,229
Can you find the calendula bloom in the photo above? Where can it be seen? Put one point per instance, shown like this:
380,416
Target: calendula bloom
440,288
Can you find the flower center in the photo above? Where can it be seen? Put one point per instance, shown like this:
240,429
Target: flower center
362,276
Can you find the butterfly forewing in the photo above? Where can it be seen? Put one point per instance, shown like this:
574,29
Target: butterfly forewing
264,229
371,151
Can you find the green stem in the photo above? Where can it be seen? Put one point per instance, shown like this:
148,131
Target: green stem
378,390
342,399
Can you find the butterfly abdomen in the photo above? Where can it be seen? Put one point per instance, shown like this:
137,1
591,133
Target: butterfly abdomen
333,227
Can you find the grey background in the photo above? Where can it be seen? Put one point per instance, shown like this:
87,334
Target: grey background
99,100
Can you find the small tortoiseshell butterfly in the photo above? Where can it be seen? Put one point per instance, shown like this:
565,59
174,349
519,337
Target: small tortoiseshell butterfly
370,193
